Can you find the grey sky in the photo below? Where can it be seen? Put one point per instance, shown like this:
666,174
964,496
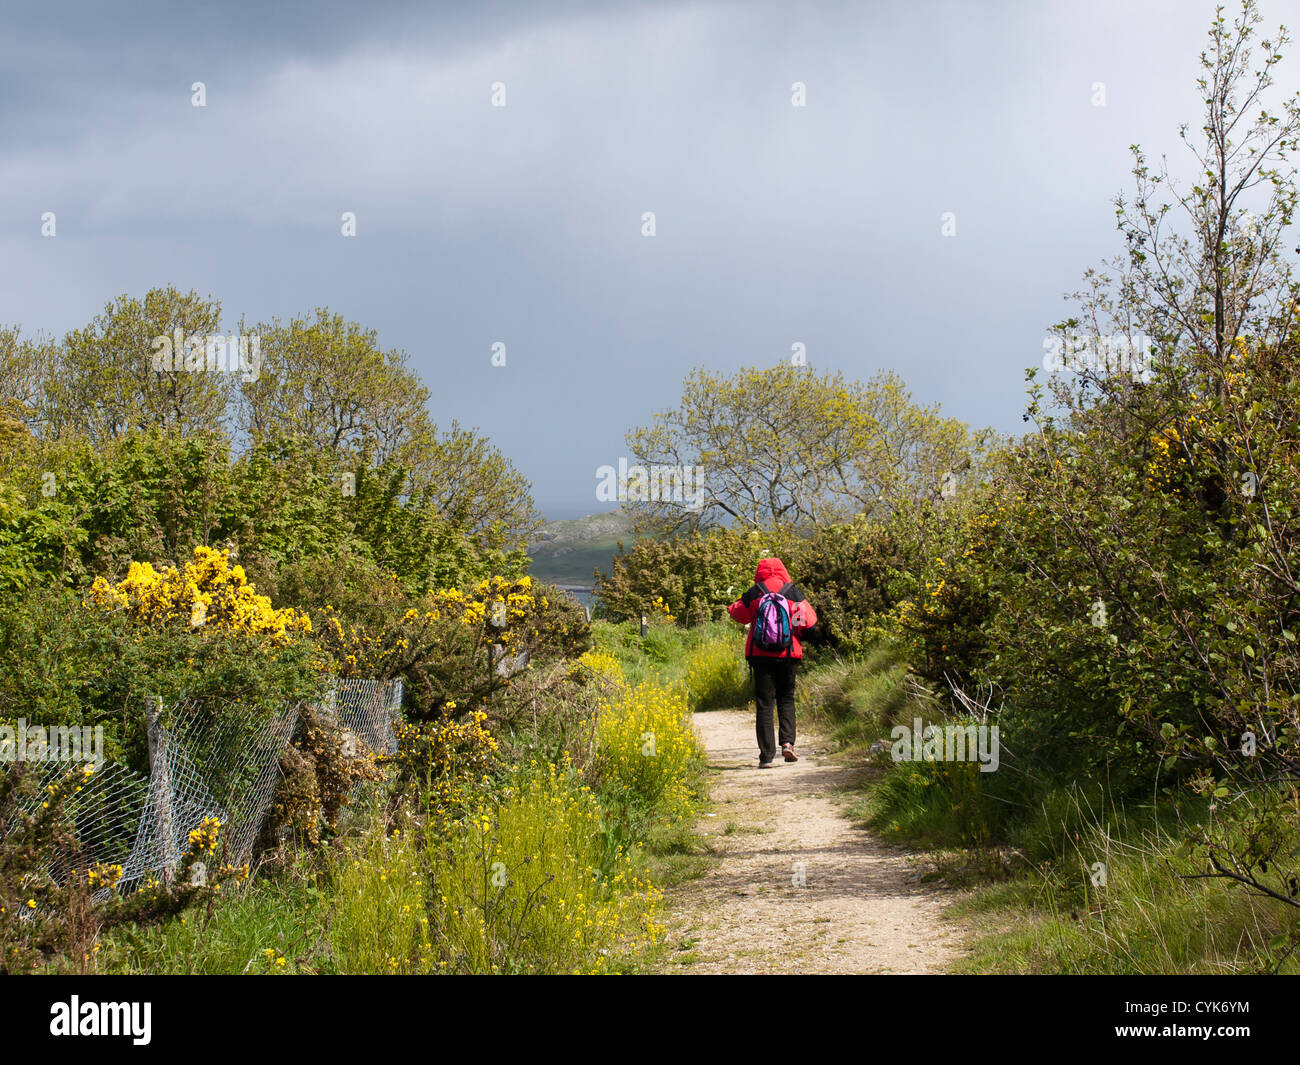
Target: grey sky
521,224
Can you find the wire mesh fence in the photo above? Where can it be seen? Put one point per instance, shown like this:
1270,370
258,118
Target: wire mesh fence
207,759
366,710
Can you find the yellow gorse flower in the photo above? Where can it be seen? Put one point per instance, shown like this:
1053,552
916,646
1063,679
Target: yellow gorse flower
208,592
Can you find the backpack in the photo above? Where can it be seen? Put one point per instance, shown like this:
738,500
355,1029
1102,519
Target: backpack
771,630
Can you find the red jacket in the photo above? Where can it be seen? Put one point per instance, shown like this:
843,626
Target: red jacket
771,576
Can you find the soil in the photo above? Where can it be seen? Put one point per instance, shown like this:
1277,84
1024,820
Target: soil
797,887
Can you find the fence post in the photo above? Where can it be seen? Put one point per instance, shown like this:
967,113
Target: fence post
160,788
328,709
394,715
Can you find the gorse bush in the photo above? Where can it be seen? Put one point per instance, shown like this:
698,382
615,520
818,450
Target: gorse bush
65,663
693,577
207,591
438,643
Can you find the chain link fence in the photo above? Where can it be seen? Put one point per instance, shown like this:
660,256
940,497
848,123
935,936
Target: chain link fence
206,760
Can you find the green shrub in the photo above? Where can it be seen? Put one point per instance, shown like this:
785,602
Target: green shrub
696,576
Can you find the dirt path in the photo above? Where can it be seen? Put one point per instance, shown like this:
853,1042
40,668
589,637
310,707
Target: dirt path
862,908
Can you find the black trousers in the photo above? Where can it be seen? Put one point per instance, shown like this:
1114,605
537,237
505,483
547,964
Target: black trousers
773,686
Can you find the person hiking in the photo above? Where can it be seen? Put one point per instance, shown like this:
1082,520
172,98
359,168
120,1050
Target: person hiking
776,614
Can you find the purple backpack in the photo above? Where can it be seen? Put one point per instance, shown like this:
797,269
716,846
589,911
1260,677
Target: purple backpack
772,630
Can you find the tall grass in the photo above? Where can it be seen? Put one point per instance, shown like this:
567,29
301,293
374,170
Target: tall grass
664,655
1123,897
540,884
1069,878
378,919
716,675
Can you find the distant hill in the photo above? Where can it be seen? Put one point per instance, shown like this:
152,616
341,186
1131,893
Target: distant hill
566,552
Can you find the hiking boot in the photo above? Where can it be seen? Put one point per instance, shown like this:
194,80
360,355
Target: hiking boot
787,749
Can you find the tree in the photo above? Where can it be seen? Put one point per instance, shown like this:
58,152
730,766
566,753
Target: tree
107,378
27,365
785,447
1169,499
476,489
327,380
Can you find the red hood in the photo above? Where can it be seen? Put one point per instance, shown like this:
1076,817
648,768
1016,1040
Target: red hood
771,567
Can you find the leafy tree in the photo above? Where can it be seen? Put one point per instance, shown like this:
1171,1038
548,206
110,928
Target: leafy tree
327,380
1149,586
786,447
27,365
476,489
106,381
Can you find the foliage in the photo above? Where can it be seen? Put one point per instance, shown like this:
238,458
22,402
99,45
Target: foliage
53,907
208,591
64,663
439,643
445,765
648,756
327,381
785,447
103,382
716,676
694,576
538,882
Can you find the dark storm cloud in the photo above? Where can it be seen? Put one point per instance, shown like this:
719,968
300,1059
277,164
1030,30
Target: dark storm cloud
521,224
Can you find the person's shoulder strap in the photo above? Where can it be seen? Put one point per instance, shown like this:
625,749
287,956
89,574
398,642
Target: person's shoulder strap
789,590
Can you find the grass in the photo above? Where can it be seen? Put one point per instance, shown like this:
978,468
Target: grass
547,874
671,656
1028,854
858,699
284,915
1150,915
